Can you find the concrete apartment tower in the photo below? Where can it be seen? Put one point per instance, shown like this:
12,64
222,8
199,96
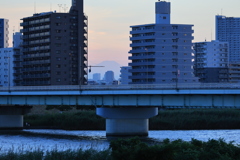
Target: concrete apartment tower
228,30
4,33
54,48
161,52
211,61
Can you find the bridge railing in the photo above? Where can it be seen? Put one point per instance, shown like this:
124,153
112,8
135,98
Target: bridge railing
125,87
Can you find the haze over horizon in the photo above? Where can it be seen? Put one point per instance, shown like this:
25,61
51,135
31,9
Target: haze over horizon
109,20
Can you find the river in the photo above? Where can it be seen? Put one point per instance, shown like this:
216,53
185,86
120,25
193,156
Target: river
33,139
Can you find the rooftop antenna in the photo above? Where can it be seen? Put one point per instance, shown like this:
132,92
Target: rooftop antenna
34,7
13,29
64,7
221,11
211,34
59,5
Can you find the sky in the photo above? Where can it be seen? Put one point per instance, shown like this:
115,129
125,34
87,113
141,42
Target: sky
110,20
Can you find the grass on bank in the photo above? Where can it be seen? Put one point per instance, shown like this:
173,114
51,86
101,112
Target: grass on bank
185,119
134,149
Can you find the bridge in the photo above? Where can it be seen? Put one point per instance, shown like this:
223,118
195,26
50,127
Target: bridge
126,108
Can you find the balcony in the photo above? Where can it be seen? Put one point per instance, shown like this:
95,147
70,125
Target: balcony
142,31
46,75
35,83
36,69
36,62
24,24
142,37
23,30
36,55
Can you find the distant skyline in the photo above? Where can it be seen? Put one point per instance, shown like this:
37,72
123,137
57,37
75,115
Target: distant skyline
109,20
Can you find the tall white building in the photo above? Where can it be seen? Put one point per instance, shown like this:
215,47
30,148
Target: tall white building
161,52
4,33
211,61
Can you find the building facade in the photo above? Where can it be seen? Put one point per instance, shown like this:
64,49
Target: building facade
211,61
4,33
97,77
6,67
161,52
54,48
109,77
125,74
228,30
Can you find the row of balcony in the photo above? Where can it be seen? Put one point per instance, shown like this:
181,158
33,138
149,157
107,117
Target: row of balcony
40,41
39,34
38,48
35,22
36,55
44,75
36,62
36,69
39,28
35,83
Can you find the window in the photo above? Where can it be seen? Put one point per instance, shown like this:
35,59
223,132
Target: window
58,66
174,53
58,44
58,31
58,79
174,27
58,58
58,38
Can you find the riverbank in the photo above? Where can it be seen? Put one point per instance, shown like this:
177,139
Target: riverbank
186,119
134,149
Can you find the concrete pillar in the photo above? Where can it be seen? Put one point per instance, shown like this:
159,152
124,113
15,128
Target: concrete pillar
127,121
11,117
11,121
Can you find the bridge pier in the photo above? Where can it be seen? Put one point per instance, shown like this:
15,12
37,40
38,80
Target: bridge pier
127,121
11,117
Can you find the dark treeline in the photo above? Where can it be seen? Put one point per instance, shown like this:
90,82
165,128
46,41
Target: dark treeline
166,120
134,149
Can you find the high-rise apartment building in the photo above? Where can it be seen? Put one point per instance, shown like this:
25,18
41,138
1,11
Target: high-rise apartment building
54,48
161,52
211,61
4,33
228,30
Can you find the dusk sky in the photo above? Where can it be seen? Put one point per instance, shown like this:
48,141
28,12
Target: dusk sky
109,20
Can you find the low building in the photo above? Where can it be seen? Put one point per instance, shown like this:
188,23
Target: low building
211,61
